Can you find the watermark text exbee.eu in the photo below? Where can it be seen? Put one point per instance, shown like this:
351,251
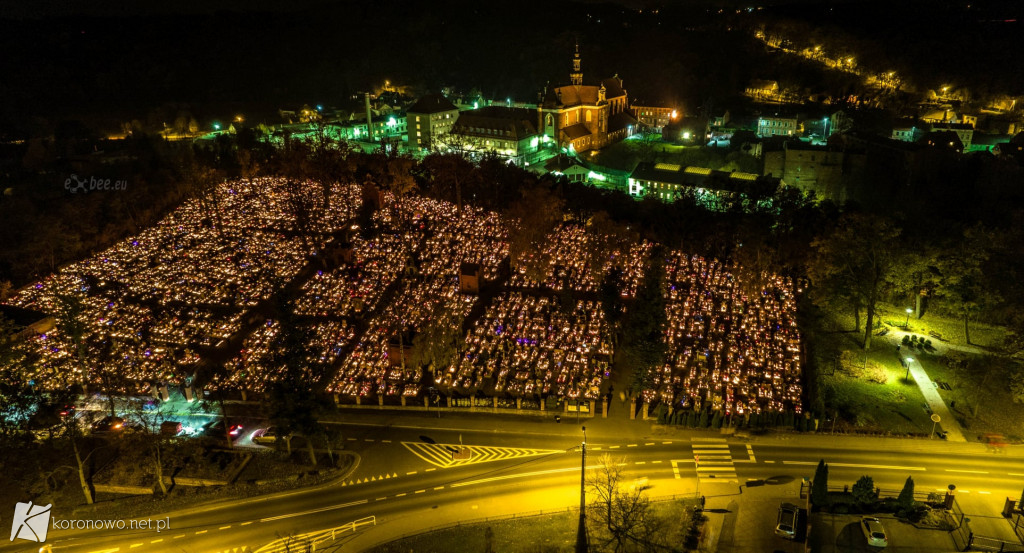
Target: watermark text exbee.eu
158,524
75,184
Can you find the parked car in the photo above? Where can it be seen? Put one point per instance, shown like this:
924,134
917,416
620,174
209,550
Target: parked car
170,428
215,429
108,424
266,436
785,527
873,531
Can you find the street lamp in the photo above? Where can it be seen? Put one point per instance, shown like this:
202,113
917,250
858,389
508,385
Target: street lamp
907,324
908,361
581,531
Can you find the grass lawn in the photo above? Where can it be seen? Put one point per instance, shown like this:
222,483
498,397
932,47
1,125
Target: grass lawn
895,406
551,533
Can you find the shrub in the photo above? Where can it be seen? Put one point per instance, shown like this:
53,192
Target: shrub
913,338
906,339
864,492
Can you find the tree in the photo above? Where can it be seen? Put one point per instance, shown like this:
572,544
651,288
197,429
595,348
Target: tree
819,486
963,279
906,497
864,492
857,261
621,516
533,215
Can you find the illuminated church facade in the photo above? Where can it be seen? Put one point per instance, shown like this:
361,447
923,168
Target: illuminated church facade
583,117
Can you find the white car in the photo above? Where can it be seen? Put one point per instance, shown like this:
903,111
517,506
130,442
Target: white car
873,531
785,526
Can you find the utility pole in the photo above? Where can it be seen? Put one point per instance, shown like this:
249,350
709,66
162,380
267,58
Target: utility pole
581,532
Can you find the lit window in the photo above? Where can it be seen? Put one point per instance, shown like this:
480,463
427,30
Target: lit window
418,134
417,119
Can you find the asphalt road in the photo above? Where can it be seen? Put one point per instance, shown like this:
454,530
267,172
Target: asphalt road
407,481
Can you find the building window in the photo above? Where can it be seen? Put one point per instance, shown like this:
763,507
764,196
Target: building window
418,134
588,117
417,119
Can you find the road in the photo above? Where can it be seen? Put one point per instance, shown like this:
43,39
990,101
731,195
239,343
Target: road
407,481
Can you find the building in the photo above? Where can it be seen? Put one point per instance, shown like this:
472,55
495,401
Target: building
943,140
655,118
964,131
667,181
809,168
778,126
907,133
688,130
763,90
507,132
583,117
572,168
429,119
385,127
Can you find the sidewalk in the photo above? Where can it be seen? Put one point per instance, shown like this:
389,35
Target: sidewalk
931,395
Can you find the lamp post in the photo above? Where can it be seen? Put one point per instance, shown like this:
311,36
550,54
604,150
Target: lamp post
581,531
906,325
907,362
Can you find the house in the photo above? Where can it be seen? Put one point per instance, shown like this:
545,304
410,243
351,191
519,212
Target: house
508,132
943,140
429,120
763,90
655,118
778,126
573,169
964,131
905,133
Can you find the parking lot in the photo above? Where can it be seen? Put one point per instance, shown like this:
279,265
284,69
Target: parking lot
842,534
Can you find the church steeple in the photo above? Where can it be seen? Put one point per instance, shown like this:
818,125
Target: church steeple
576,77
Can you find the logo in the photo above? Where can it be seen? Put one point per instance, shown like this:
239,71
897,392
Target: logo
30,522
85,185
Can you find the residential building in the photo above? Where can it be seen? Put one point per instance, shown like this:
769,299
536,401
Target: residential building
581,116
809,168
778,126
655,118
910,133
429,119
763,90
964,131
507,132
667,181
943,140
384,127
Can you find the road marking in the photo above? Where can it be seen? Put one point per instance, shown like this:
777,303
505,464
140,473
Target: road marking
381,498
968,471
986,493
179,536
655,462
439,488
134,545
400,495
523,475
419,491
964,491
320,510
411,473
769,461
707,439
613,447
851,465
368,440
224,527
202,532
428,470
1015,474
246,523
353,439
641,462
665,443
157,541
649,443
385,441
595,449
442,455
631,445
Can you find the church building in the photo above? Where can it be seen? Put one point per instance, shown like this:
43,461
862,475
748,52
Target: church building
585,117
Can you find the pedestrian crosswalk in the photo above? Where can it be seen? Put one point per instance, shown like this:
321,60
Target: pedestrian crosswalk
712,461
451,455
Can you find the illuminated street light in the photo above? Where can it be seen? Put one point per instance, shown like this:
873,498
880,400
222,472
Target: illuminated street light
581,531
216,126
907,324
908,361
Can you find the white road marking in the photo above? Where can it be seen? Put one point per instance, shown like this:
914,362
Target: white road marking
411,473
202,532
246,523
641,462
665,443
157,541
134,545
400,495
312,511
419,491
649,443
852,465
968,471
224,527
439,488
523,475
179,536
631,445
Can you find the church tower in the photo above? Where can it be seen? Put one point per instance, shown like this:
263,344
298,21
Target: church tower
576,77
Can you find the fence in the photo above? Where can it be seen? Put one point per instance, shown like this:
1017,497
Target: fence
310,541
